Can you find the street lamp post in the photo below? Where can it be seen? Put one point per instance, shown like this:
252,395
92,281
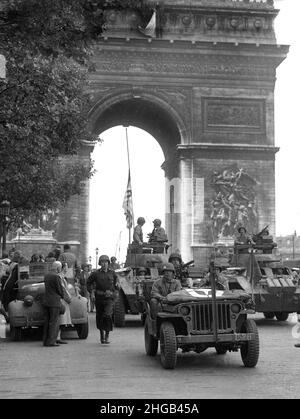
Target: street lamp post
97,251
4,212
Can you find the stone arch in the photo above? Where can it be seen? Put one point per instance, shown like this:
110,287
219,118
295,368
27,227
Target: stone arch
138,107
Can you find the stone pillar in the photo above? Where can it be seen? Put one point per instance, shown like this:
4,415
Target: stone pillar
74,216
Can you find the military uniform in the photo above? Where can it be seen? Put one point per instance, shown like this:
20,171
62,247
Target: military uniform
105,284
160,289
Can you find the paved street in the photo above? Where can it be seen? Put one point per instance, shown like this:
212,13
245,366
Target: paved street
87,369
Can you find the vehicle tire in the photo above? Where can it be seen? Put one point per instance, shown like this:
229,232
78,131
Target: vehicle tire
220,349
151,344
282,316
250,349
15,333
269,315
82,330
168,346
119,311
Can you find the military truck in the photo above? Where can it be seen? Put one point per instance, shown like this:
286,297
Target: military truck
26,310
196,319
275,290
130,298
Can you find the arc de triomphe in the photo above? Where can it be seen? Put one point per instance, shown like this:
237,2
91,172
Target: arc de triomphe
204,88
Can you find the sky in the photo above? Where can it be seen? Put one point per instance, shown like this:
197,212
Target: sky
107,230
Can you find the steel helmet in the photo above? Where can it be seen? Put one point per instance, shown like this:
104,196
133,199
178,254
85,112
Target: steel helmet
157,221
175,256
168,267
141,220
103,258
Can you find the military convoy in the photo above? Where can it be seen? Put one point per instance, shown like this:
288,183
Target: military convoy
26,310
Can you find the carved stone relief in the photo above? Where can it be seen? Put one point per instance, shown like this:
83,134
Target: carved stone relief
234,203
233,114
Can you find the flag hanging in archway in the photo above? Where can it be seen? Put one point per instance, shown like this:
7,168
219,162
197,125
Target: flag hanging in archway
127,204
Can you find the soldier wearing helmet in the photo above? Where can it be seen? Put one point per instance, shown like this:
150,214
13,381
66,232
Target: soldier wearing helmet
105,283
181,272
158,236
162,287
138,232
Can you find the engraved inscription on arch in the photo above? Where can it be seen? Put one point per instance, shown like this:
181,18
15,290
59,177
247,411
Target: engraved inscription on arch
236,115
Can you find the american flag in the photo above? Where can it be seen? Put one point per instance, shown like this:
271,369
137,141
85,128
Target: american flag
127,204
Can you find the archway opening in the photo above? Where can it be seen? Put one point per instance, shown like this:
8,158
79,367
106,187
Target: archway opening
107,223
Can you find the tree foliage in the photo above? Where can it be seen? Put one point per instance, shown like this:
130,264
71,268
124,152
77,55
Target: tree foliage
43,105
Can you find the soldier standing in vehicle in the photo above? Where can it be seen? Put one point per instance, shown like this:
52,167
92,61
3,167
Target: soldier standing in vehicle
105,283
158,236
181,272
162,287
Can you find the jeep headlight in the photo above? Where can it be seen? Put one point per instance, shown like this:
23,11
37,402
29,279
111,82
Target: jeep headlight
185,310
235,308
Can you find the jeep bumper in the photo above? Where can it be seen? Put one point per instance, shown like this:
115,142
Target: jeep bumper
222,338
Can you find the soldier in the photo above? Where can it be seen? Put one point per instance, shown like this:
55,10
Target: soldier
105,283
114,264
243,239
181,271
138,232
162,287
221,280
158,236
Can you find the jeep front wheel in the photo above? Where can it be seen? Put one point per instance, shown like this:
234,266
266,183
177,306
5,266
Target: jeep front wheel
151,344
250,348
282,316
168,346
119,314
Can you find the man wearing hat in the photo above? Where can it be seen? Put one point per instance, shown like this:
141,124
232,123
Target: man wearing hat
162,287
105,283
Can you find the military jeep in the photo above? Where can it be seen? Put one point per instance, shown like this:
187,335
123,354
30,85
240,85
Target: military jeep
26,310
199,318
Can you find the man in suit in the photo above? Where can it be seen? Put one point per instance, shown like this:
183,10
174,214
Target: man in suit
52,302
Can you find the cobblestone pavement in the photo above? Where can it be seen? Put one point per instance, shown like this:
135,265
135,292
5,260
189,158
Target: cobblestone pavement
87,369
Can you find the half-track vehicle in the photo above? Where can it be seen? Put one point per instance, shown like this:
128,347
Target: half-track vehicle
195,319
27,311
130,297
272,284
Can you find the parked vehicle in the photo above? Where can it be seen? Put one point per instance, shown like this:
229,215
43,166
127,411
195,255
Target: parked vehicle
27,310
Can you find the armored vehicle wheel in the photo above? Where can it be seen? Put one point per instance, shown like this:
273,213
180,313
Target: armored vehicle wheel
168,346
250,349
220,349
15,333
82,330
269,315
119,314
151,344
282,316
